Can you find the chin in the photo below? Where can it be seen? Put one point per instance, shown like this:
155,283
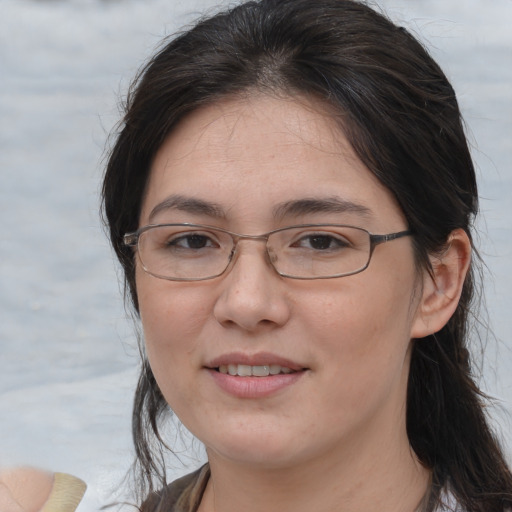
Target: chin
259,448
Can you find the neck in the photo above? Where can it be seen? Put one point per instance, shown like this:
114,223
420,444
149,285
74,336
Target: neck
351,481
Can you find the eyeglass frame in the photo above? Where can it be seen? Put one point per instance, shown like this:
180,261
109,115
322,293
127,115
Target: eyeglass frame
131,239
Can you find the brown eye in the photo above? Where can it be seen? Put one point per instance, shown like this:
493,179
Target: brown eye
191,241
321,242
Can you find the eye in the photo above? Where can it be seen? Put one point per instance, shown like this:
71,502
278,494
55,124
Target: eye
192,241
322,242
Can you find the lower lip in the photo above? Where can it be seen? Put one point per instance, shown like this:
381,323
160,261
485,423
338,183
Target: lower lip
254,387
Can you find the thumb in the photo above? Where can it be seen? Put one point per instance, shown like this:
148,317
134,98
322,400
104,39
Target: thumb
7,502
24,489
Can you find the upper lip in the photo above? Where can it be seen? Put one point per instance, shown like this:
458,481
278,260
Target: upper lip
259,359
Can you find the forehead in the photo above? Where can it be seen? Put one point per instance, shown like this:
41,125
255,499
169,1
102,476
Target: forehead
249,155
238,128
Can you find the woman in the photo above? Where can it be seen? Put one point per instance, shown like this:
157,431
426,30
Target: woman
290,196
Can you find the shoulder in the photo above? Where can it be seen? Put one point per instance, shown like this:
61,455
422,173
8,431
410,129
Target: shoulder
182,495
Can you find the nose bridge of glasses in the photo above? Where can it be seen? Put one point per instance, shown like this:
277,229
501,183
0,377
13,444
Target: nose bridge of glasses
237,238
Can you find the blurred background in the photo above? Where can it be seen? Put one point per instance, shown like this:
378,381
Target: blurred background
68,356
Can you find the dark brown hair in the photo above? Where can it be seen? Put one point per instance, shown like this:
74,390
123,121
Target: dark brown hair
401,116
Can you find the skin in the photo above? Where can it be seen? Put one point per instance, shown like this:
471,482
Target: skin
24,489
335,439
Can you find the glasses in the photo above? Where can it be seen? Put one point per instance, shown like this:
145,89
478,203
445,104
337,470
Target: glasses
193,252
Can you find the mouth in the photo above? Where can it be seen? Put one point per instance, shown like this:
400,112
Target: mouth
245,370
254,376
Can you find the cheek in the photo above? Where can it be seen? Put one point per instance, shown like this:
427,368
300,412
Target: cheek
362,318
366,333
172,318
172,321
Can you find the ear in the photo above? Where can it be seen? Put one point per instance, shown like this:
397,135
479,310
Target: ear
442,287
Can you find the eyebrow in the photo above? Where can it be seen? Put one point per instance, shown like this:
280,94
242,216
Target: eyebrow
188,205
319,205
292,208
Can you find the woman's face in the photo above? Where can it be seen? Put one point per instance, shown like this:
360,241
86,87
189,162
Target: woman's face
250,166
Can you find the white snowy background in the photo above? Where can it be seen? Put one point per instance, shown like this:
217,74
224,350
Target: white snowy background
68,358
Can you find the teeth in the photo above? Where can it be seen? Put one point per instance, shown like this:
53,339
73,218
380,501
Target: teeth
275,369
244,370
261,371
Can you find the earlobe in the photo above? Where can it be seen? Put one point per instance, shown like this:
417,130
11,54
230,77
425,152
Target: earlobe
442,286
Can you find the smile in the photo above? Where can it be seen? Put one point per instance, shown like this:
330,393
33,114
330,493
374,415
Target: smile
255,381
245,370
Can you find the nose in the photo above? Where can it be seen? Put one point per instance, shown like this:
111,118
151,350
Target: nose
252,293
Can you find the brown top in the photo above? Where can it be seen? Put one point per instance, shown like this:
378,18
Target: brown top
182,495
185,494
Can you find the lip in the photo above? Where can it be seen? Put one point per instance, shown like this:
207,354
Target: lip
254,387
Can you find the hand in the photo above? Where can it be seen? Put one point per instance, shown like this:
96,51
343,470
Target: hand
24,489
